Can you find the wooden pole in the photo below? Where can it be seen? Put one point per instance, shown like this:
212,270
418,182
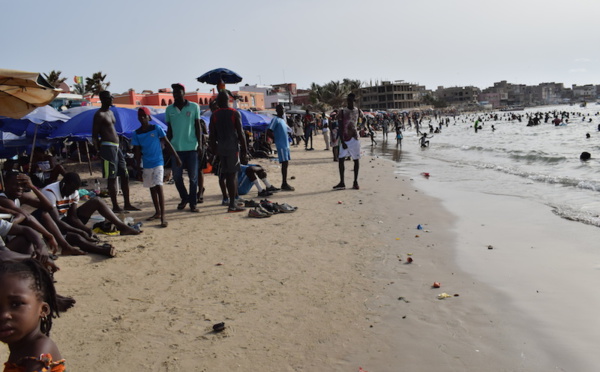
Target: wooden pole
87,149
78,152
32,148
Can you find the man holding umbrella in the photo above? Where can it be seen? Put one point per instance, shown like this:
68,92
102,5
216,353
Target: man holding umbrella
106,141
184,132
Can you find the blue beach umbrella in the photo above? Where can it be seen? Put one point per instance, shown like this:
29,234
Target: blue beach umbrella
43,120
80,126
219,74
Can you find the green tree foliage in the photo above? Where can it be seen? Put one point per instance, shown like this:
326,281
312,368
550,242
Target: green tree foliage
79,88
96,83
333,94
54,78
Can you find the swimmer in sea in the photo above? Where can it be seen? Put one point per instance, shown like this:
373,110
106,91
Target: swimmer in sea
423,140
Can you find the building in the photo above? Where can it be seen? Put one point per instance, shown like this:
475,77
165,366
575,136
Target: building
584,92
273,94
548,93
493,99
397,95
164,97
254,101
458,96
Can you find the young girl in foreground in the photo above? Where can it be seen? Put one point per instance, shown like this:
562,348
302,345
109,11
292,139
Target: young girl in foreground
27,306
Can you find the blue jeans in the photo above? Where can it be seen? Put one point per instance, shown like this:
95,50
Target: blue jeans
189,160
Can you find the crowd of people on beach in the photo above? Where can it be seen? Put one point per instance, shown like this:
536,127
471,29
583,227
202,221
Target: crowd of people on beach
44,213
59,220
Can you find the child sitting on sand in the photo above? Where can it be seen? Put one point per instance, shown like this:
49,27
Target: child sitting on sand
28,302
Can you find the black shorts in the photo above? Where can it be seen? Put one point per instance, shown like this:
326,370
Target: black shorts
229,163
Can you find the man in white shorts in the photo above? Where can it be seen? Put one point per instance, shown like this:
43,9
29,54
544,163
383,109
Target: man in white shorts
147,142
349,143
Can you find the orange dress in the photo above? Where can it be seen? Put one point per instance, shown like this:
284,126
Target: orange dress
49,365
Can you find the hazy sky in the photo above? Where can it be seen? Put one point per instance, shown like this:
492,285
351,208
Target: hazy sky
150,44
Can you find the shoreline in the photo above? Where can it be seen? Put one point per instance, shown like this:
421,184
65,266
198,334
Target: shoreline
317,289
538,271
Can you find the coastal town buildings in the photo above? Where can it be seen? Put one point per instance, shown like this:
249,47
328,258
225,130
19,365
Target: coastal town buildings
458,96
584,92
387,95
164,97
273,94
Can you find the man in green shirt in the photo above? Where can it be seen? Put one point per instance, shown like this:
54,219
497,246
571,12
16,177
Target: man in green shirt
184,133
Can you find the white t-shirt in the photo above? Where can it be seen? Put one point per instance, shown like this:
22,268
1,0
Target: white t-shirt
62,203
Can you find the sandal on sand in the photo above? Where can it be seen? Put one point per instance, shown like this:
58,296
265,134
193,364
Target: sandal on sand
164,224
152,218
235,209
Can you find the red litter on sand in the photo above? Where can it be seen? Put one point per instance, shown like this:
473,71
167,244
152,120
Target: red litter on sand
362,370
339,202
425,174
436,284
409,260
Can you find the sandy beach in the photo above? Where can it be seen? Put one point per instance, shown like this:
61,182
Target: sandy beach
327,288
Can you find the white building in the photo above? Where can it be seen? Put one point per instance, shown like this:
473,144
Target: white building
273,96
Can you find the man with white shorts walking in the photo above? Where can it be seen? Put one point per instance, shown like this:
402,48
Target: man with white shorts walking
349,143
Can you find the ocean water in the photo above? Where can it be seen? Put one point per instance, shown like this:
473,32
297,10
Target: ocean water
525,191
540,163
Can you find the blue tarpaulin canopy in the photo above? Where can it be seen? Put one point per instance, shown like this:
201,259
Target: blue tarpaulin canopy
80,126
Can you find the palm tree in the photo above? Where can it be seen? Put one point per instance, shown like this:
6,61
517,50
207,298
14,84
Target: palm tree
54,78
79,88
333,94
354,86
96,83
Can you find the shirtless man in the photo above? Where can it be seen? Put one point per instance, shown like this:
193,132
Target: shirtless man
106,142
349,143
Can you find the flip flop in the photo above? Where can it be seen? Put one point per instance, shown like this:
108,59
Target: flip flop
152,218
164,224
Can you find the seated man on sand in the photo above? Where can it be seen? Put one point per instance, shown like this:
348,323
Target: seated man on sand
14,197
71,218
45,169
249,176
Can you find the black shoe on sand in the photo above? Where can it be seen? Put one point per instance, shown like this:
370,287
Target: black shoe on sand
339,186
287,187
